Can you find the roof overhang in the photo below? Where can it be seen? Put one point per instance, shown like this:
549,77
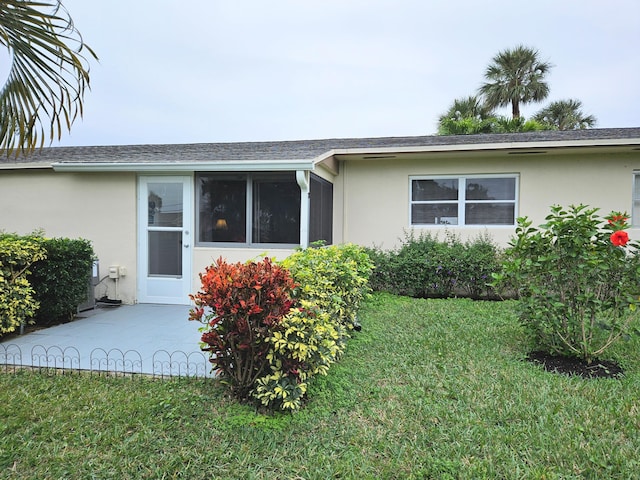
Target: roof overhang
175,167
24,166
507,147
264,157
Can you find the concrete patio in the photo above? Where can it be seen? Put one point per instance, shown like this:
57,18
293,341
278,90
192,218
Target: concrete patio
144,338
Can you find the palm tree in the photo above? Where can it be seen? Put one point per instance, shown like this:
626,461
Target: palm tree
565,115
48,75
464,126
517,125
468,107
466,116
515,77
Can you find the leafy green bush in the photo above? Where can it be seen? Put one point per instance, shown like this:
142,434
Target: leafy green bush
479,260
578,279
382,277
17,302
331,284
268,336
335,278
60,281
306,343
424,266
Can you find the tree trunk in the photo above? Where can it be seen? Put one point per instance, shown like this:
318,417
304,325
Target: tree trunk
515,109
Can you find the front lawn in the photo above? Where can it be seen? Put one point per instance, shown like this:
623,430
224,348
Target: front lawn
428,389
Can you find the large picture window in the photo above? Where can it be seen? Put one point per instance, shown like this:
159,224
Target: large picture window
256,208
464,200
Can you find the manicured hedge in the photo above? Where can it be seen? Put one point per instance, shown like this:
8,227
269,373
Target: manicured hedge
42,280
60,281
425,267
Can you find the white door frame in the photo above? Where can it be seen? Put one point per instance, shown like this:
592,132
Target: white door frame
174,288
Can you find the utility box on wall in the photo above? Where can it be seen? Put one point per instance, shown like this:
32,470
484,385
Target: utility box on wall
94,279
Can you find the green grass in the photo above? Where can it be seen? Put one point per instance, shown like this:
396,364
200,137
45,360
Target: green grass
428,389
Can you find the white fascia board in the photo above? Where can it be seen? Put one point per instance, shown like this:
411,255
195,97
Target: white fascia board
25,166
243,166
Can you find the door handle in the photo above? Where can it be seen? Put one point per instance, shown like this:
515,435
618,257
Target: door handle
186,245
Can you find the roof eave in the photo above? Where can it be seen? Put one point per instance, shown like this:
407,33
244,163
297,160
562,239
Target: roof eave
25,166
175,167
550,144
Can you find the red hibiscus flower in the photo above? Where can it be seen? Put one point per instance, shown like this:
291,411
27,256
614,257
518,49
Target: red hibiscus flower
619,238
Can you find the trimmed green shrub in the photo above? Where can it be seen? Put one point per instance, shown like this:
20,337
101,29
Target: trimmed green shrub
424,266
335,278
382,277
306,343
420,267
60,282
331,283
17,301
480,259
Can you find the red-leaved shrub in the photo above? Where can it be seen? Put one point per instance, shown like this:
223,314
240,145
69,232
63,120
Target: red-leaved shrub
240,304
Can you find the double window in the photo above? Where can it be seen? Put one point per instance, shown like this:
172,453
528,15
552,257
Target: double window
463,200
249,209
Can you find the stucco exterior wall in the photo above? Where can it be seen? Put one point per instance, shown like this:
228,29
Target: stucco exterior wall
372,196
370,199
98,207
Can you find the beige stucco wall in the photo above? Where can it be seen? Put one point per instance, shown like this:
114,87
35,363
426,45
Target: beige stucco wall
98,207
372,196
371,203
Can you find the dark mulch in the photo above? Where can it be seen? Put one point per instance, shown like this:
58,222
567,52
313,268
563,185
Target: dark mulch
576,366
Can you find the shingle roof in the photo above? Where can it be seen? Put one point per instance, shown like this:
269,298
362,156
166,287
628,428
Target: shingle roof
297,149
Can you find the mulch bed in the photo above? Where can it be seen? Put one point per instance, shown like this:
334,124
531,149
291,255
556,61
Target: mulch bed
576,367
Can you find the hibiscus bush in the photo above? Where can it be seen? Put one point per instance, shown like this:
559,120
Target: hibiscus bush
240,306
578,280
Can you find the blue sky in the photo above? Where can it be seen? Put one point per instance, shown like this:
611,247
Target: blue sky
250,70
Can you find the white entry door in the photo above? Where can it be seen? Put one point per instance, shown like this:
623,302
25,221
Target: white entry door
164,239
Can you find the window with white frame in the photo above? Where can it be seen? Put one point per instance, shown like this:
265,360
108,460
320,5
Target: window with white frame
463,200
635,214
249,209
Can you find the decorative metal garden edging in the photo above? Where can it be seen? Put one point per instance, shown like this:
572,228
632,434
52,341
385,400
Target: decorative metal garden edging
162,364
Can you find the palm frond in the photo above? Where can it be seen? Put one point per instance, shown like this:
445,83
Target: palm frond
49,73
565,115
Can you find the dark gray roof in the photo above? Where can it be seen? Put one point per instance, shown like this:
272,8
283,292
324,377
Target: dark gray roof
293,150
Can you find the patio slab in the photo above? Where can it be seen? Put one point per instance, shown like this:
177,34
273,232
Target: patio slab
144,338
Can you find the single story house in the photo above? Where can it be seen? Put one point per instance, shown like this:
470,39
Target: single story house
158,214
